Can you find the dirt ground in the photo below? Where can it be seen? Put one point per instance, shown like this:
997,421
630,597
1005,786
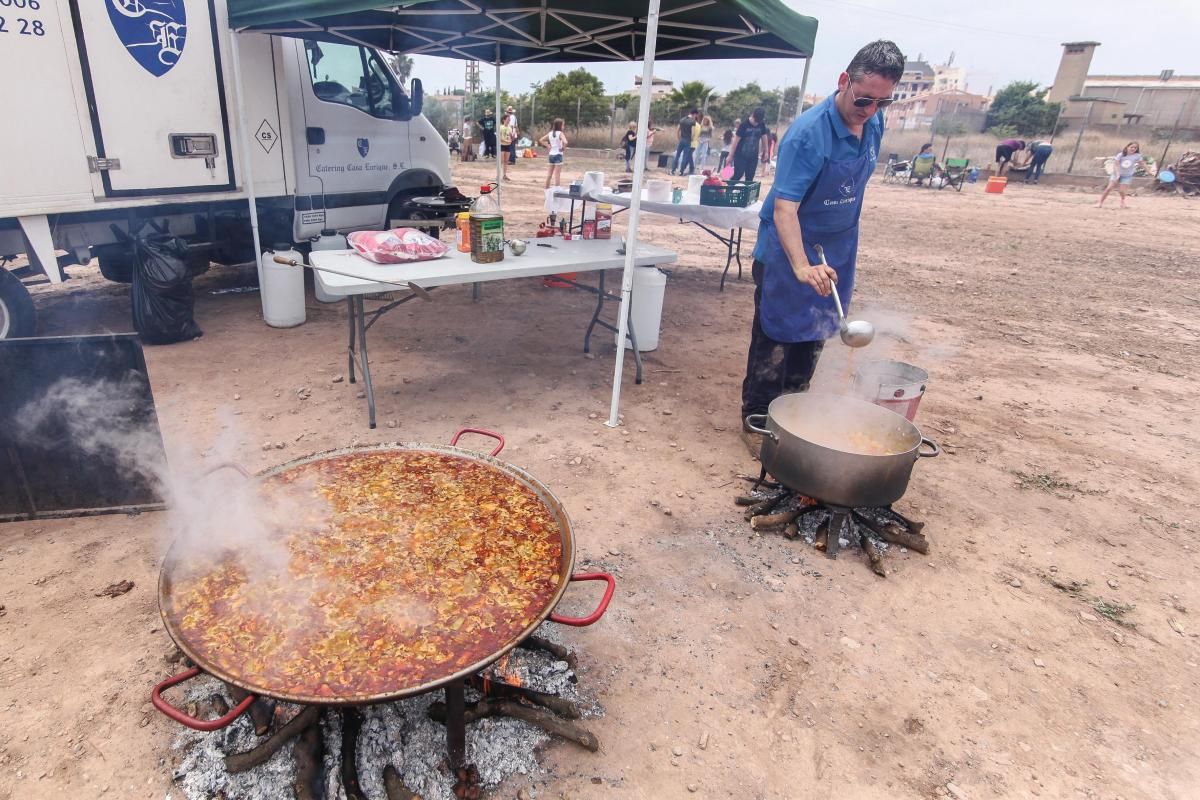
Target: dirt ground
1047,646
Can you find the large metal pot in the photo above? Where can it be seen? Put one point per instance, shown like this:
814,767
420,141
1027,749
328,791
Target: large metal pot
840,450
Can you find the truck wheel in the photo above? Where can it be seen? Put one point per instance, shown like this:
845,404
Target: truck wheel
18,317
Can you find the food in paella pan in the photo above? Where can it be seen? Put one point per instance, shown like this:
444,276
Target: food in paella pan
425,564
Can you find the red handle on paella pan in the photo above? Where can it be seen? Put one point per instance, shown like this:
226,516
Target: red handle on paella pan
185,719
582,622
498,437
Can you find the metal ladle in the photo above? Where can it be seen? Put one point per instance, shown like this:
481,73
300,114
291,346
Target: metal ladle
856,333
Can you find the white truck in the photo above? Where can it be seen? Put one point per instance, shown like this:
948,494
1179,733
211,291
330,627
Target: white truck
124,112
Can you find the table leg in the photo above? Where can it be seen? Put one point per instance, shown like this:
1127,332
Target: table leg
739,250
728,259
456,725
587,337
350,350
364,363
476,292
637,354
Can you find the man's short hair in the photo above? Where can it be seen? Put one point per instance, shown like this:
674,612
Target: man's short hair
880,57
694,111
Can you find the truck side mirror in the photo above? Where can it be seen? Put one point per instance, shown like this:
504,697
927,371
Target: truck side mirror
418,97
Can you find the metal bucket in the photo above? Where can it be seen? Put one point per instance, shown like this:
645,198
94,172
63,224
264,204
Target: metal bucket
894,385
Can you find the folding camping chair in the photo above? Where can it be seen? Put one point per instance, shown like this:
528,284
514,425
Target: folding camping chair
954,173
921,171
895,170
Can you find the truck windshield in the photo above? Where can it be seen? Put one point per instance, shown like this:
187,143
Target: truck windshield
357,77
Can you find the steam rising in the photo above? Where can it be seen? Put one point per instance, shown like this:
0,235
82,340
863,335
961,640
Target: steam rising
212,507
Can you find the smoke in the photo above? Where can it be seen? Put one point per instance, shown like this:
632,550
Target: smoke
213,508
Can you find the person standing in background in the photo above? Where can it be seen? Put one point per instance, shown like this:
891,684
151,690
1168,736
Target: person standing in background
704,143
487,131
510,116
826,158
506,143
726,143
468,144
1124,168
748,143
1037,165
629,145
556,141
683,150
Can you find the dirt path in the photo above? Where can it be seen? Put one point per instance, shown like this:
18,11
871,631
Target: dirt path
1062,345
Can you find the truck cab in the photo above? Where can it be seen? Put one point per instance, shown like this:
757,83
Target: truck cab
136,110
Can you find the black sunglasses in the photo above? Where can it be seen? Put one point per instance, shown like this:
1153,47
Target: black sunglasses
863,102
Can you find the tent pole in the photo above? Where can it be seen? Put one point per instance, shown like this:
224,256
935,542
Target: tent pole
244,156
803,87
635,206
499,153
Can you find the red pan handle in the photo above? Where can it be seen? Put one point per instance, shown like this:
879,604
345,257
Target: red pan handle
230,465
582,622
498,437
183,719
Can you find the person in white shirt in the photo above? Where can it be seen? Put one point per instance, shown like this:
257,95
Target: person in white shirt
556,140
510,118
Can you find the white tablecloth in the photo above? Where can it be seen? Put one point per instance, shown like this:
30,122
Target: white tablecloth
717,216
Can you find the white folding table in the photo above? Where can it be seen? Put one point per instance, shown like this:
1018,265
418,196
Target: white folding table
455,269
706,218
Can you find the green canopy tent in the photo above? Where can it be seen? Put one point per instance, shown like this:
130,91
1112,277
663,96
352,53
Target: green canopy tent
547,31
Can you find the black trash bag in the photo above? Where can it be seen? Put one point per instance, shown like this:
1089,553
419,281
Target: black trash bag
162,291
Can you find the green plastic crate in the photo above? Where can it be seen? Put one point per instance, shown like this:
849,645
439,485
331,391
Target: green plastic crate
737,195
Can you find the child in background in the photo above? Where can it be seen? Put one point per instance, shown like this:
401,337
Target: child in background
506,140
1124,167
726,143
629,144
704,143
556,140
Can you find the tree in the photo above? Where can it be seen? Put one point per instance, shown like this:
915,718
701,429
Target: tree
401,65
738,103
570,92
691,94
1021,107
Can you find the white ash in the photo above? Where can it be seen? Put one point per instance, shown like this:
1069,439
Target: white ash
399,733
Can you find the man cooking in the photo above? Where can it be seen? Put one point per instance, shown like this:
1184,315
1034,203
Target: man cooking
824,162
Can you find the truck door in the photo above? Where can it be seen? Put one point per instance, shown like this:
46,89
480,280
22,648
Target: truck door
356,117
152,73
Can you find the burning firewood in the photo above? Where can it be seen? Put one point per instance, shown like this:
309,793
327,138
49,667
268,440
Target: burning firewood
541,719
873,556
240,762
394,787
895,534
498,689
262,710
763,521
309,754
553,648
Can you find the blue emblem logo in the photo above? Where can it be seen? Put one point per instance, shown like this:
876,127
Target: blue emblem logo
847,188
153,31
363,146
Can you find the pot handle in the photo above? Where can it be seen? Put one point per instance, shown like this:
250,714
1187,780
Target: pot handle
184,719
755,422
498,437
936,451
582,622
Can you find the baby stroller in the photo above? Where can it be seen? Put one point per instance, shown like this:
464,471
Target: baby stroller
896,171
454,140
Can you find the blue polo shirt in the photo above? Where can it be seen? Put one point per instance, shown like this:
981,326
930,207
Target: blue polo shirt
818,136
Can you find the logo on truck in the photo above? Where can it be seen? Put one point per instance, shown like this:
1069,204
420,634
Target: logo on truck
153,31
364,145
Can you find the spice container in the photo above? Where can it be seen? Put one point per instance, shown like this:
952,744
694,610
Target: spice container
462,234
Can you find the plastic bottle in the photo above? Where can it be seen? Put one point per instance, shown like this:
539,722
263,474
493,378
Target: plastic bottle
462,235
486,203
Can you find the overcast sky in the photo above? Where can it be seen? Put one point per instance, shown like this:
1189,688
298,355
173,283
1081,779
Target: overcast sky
997,42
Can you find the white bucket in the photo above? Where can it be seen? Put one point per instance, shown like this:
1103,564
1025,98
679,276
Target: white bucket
328,240
645,306
658,191
282,289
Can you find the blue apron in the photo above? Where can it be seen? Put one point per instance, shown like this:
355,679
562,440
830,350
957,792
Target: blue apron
792,311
